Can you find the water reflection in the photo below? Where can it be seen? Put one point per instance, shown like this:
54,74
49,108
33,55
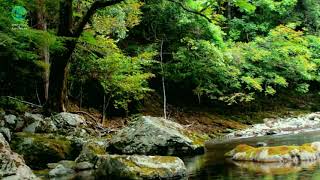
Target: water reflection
214,166
277,168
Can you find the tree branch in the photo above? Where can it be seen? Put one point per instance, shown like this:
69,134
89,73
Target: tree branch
98,4
191,11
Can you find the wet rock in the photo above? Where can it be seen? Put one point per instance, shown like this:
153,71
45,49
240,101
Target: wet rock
140,167
155,136
305,152
12,165
41,149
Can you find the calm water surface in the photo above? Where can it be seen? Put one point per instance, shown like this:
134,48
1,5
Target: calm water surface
213,164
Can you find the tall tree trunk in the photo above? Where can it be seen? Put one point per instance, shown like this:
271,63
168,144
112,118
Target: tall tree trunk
60,61
44,51
59,64
163,82
58,79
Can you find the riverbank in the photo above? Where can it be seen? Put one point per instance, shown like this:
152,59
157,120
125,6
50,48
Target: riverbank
79,144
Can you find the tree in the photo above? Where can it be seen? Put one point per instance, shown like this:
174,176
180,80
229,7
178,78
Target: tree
70,32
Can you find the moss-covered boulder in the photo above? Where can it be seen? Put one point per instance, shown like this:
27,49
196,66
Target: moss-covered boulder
305,152
140,167
91,150
155,136
12,165
40,149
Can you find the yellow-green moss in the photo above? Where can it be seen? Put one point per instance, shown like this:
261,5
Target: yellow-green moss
277,150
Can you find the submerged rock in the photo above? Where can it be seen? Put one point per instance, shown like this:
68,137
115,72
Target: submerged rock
40,149
12,165
155,136
305,152
140,167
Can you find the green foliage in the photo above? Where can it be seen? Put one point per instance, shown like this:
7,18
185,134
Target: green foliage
285,59
11,104
123,78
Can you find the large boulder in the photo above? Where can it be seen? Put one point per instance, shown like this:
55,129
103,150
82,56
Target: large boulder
12,165
305,152
40,149
140,167
155,136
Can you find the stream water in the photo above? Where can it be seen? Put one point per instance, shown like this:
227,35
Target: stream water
213,164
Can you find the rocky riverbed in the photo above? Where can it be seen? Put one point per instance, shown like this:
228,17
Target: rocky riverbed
280,126
68,146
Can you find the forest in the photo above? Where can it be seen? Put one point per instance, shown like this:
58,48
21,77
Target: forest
158,89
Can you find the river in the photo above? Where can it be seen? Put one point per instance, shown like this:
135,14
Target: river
213,164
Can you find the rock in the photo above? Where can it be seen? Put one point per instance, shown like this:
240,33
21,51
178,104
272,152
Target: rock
33,117
155,136
10,120
140,167
280,126
41,149
12,165
305,152
6,133
68,119
84,166
90,151
60,170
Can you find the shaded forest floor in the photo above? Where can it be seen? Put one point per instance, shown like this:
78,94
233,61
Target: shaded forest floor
202,120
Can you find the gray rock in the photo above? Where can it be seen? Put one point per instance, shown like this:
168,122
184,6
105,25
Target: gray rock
154,136
60,170
10,119
31,128
37,124
84,166
141,167
68,119
12,165
6,133
33,117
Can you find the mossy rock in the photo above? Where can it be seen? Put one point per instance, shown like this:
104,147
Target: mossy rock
91,150
305,152
140,167
156,136
40,149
